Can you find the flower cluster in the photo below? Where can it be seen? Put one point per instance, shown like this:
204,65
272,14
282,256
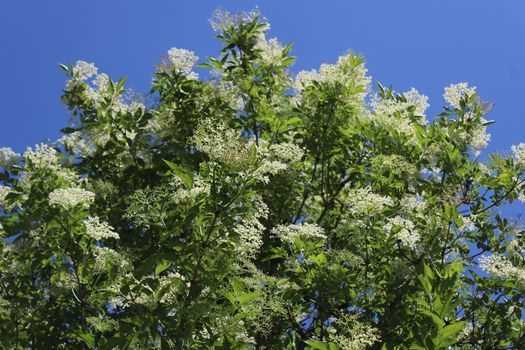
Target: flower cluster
4,191
303,230
349,71
69,198
220,143
519,154
455,92
268,167
287,152
8,157
500,266
177,60
99,229
353,334
105,258
362,201
250,230
420,102
270,51
84,70
182,195
406,234
222,20
76,143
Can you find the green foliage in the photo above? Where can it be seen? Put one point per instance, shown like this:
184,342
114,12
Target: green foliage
257,210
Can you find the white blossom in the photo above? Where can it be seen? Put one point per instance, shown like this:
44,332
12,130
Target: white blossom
412,204
271,51
268,167
222,19
250,230
519,154
220,143
348,71
4,191
8,157
99,229
287,152
417,100
362,201
407,234
76,143
68,198
469,223
302,230
183,195
353,334
84,70
106,257
499,265
178,60
455,92
44,156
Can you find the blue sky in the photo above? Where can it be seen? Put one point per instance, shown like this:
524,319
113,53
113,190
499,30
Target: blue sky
423,44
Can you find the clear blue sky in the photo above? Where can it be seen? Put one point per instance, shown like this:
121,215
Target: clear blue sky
423,44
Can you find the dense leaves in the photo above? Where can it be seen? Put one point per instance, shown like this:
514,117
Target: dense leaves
257,210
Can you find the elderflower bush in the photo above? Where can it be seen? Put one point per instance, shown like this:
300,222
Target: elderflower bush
253,208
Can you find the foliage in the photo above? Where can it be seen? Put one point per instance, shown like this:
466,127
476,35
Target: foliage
257,210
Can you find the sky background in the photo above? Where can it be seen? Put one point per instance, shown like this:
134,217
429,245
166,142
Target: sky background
423,44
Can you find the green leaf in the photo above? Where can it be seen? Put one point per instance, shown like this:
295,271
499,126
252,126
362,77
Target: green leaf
163,265
184,174
288,61
316,344
453,329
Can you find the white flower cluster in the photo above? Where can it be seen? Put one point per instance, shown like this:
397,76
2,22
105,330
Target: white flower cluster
44,156
383,117
479,137
222,19
220,143
455,92
268,167
178,60
353,334
4,191
348,71
500,266
76,143
81,72
393,115
412,204
345,72
68,198
519,154
303,230
106,257
102,324
287,152
407,234
417,100
99,229
362,201
271,51
183,195
469,223
227,92
250,230
96,88
8,157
